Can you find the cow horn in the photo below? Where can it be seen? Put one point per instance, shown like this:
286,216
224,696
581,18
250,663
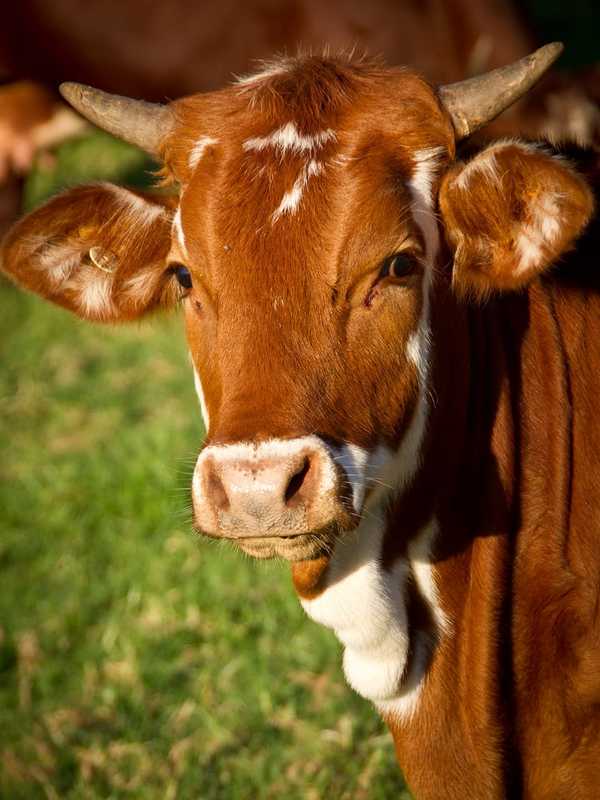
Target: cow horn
476,101
135,121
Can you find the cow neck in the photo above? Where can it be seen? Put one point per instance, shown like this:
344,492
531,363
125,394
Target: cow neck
428,599
496,474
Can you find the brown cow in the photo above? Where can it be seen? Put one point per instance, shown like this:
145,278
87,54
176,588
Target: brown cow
427,461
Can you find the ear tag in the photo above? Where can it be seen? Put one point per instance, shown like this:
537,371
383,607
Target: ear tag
102,259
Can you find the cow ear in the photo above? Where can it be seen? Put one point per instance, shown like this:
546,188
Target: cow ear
99,251
509,213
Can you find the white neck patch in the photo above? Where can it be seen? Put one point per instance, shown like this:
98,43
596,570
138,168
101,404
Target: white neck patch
364,603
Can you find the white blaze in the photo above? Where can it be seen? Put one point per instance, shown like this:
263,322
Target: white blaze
179,232
201,398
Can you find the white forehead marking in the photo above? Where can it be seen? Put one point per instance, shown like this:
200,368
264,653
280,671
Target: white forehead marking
179,231
288,139
198,150
291,200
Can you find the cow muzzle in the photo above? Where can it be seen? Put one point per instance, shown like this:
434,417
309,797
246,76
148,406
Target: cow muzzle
281,497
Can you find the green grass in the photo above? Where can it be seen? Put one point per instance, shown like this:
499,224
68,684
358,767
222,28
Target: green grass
137,661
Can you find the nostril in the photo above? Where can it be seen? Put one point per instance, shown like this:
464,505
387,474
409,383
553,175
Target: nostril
293,494
216,491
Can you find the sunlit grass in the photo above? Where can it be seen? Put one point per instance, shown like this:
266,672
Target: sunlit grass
136,660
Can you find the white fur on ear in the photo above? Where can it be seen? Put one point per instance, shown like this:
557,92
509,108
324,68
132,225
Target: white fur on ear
98,250
509,214
541,231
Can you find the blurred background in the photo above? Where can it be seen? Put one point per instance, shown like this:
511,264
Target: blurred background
135,660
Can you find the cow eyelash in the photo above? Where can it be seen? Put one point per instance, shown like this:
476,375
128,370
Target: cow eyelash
398,265
182,275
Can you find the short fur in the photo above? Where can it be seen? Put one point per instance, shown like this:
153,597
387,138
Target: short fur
484,540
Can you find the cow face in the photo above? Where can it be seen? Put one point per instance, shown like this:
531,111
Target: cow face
303,247
308,238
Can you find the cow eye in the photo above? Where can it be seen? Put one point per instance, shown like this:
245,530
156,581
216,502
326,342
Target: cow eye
182,275
397,266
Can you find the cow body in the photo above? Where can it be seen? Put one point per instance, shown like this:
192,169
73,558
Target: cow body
199,48
516,567
398,399
489,558
501,653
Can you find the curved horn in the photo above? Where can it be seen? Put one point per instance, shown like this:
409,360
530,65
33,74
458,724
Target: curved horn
135,121
474,102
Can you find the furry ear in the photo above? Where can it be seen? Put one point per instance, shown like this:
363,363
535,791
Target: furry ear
99,251
509,213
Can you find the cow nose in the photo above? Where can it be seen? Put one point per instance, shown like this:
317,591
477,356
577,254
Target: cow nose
264,490
258,488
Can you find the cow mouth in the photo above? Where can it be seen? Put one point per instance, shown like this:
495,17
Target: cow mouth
301,547
296,547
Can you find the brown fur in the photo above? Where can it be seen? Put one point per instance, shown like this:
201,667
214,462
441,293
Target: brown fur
293,333
485,215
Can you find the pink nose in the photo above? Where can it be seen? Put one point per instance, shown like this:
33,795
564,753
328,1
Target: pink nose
277,488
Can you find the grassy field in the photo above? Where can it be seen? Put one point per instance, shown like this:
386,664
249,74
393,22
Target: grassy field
135,660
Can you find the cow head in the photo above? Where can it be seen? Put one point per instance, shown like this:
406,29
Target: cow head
302,245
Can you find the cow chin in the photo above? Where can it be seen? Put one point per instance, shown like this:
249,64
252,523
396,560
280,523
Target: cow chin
303,547
290,547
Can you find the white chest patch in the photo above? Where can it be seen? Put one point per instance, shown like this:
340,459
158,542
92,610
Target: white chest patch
366,607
